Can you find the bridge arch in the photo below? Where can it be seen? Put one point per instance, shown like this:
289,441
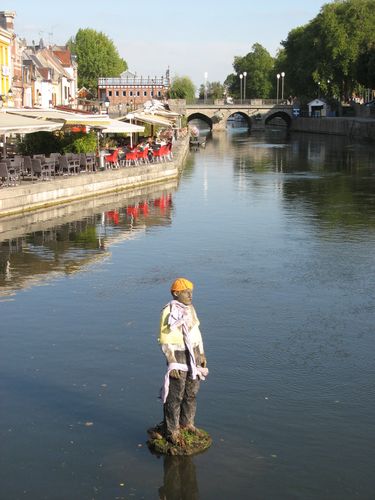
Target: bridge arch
200,116
246,118
279,114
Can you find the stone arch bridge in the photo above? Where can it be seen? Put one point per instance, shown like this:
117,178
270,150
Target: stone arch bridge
257,112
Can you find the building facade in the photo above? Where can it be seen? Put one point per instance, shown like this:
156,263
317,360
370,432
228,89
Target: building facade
129,91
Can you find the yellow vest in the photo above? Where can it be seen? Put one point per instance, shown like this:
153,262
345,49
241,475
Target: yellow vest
167,335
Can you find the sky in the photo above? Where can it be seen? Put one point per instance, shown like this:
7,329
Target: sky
191,38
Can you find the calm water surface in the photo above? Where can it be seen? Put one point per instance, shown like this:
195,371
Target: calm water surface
278,235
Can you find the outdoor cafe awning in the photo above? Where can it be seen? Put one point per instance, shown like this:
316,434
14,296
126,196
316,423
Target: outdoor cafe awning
67,118
119,127
17,124
148,118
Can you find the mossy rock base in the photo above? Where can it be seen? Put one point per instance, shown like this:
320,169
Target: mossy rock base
190,442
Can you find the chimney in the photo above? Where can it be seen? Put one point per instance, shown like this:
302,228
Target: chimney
7,20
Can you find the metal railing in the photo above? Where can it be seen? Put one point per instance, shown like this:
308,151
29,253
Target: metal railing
137,81
237,102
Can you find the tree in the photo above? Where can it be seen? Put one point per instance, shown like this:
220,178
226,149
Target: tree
329,52
214,90
258,65
182,88
96,57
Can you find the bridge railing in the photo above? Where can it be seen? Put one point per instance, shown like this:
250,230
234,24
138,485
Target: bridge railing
237,102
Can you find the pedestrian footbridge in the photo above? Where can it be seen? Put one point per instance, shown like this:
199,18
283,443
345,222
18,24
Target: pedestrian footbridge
256,112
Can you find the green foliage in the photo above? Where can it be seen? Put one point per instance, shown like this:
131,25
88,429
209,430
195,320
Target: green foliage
182,88
332,54
39,143
259,66
215,90
80,143
97,57
61,142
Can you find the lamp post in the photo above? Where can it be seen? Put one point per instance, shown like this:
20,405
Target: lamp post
282,86
205,86
244,85
106,104
241,77
277,88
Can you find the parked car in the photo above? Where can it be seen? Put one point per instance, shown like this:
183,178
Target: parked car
370,104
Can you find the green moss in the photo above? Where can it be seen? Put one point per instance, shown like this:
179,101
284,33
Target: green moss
190,444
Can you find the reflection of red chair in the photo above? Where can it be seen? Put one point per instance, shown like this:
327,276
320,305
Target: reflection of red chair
113,215
143,207
142,156
131,157
112,160
132,211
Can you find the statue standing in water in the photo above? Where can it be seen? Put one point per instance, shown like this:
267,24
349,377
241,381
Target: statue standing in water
181,342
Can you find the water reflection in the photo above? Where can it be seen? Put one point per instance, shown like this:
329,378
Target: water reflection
180,481
331,180
59,243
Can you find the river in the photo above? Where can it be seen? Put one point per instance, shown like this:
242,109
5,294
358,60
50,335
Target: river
277,233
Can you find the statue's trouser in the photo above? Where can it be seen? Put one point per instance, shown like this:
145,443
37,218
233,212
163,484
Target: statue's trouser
180,406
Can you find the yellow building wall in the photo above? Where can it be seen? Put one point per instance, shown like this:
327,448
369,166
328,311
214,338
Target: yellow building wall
5,62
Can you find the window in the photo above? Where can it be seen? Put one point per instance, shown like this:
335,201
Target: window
131,92
117,93
138,93
159,93
124,93
145,93
110,93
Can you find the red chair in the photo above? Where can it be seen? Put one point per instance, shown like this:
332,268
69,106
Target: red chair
112,160
142,156
131,156
158,154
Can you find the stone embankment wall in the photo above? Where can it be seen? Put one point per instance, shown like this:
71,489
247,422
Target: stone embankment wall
32,196
357,128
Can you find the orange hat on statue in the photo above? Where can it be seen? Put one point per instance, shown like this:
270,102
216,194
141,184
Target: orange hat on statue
181,284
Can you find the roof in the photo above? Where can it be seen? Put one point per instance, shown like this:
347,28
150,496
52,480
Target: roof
128,74
64,56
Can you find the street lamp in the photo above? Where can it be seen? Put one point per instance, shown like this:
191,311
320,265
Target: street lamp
241,76
277,87
244,85
205,86
282,86
106,103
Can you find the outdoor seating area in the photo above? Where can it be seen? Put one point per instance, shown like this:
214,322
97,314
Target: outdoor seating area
40,167
144,152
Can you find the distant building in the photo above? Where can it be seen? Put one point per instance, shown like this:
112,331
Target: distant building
34,75
129,91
